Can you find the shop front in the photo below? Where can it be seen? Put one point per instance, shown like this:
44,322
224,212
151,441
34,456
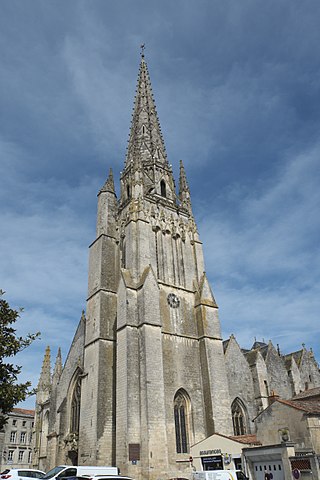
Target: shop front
219,452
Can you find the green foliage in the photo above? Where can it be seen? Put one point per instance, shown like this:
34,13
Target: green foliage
11,392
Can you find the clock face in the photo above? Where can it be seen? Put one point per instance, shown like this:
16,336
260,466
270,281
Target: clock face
173,300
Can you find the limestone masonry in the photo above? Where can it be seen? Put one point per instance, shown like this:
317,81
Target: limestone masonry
148,374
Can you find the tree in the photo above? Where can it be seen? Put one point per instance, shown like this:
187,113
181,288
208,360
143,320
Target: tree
11,392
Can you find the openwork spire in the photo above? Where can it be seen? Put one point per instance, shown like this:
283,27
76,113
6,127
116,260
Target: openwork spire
145,141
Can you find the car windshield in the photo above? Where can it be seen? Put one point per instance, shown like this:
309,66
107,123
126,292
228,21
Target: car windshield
53,472
241,476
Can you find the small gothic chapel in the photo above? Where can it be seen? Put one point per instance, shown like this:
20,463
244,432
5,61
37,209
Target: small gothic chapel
148,374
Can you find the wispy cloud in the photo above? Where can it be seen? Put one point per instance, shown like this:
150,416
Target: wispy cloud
264,259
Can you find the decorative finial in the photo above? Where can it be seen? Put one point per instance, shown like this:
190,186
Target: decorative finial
142,46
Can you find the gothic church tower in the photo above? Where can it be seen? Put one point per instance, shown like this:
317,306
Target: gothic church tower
154,377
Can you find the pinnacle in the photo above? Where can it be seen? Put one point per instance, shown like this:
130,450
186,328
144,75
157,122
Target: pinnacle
45,377
184,192
183,184
109,184
58,364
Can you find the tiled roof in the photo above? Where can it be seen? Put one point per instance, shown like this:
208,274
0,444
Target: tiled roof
249,439
22,411
312,392
308,406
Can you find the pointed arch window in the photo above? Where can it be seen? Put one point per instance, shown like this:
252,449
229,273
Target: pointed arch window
163,188
182,411
75,407
239,417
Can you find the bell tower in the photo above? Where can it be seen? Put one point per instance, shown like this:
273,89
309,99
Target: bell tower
154,379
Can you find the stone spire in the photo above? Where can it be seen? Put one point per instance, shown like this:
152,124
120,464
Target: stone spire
147,172
109,184
184,192
145,140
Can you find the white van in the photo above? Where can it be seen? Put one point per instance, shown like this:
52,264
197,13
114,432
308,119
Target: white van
63,471
220,475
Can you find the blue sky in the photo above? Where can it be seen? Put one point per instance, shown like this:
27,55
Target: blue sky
237,89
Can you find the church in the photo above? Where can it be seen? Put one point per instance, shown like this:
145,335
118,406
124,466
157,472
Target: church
148,374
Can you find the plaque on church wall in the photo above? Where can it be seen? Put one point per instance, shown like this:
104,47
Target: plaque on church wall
134,451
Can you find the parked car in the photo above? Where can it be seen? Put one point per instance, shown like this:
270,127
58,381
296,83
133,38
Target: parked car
65,471
20,473
111,477
97,477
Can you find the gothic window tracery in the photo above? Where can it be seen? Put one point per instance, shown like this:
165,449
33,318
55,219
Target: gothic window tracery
182,409
75,407
238,417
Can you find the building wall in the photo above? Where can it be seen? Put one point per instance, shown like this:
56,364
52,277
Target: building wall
217,445
278,378
313,425
278,418
309,371
240,381
17,440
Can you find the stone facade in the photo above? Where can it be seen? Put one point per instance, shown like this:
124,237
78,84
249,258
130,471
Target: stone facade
296,420
148,374
16,440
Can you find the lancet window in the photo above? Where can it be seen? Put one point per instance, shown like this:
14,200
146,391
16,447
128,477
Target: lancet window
239,417
75,407
182,409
